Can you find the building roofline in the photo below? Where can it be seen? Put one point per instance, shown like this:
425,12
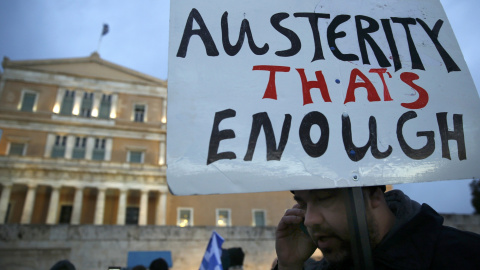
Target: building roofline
93,58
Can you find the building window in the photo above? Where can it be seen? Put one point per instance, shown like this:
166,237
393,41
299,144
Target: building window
105,105
258,218
184,217
139,113
135,156
65,214
28,101
67,103
16,149
99,149
79,149
223,218
131,217
87,104
58,149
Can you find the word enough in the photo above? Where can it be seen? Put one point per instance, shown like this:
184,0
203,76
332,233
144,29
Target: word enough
317,149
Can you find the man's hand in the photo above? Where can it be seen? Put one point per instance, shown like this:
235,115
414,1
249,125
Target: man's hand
293,246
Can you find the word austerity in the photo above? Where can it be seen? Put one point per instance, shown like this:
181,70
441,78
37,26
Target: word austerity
364,37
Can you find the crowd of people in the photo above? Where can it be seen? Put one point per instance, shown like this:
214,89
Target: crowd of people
402,234
157,264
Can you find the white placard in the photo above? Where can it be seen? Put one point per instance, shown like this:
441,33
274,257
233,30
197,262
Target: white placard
317,94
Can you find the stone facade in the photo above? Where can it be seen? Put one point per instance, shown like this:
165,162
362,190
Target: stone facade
35,247
25,247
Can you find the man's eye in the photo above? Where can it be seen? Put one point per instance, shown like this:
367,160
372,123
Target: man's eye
325,197
303,205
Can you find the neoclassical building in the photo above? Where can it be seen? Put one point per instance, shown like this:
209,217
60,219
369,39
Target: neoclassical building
83,142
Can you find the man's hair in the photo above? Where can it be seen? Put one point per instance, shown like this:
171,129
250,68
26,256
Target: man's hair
63,265
159,264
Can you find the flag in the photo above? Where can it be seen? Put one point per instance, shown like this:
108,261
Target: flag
212,258
105,29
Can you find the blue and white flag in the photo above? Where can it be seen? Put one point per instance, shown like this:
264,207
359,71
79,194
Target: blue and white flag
105,29
213,254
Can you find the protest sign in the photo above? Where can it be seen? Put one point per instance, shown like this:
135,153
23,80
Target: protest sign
282,95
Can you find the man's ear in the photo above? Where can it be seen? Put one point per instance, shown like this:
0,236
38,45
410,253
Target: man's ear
376,197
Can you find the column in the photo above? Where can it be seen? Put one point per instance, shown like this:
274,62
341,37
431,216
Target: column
122,207
28,205
142,219
100,207
77,206
108,148
161,208
53,205
58,100
77,102
113,106
89,148
4,199
49,145
96,103
164,111
69,146
161,155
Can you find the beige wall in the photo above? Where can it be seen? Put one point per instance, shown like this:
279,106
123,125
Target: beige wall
111,207
241,205
12,93
35,141
127,102
40,208
17,198
122,145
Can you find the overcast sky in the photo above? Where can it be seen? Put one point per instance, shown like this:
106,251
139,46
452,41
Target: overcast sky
138,39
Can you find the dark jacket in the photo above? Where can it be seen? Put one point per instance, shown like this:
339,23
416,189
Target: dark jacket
424,243
420,241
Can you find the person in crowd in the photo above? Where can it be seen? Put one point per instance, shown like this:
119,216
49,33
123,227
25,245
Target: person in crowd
63,265
158,264
402,233
139,267
237,256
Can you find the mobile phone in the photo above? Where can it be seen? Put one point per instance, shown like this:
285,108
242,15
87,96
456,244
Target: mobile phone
304,229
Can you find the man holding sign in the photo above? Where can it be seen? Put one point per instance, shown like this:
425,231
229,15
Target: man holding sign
403,234
319,96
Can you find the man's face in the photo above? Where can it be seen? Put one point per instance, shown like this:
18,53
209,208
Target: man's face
326,221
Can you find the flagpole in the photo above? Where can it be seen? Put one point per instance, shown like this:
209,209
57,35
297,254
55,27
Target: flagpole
99,41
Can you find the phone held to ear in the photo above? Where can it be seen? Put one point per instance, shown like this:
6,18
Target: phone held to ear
304,229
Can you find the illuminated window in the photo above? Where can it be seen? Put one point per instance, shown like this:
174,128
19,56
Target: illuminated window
79,149
87,104
16,149
139,113
223,218
184,217
258,218
67,103
28,101
99,149
58,149
105,105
